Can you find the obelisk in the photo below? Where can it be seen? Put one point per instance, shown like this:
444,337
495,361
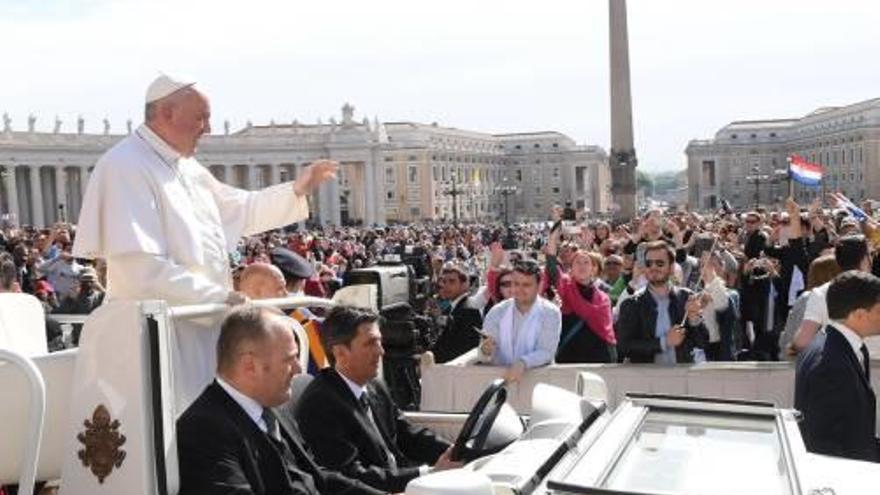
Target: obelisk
622,157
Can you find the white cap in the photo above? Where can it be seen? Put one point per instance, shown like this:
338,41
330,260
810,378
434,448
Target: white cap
164,85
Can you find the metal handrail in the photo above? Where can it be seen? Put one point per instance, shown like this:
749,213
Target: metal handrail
31,456
197,310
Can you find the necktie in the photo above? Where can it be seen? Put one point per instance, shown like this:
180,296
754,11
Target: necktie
288,457
272,428
365,406
866,360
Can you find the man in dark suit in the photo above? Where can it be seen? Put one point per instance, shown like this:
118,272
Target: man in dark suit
651,326
229,439
833,380
349,417
458,318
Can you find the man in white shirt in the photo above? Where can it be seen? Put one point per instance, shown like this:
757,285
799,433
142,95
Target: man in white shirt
851,253
164,224
521,332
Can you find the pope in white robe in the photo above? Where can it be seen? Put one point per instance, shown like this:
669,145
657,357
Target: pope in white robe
166,226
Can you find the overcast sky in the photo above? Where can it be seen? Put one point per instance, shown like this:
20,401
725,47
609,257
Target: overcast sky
494,66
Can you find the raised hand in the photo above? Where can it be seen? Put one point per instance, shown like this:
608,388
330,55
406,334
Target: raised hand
314,175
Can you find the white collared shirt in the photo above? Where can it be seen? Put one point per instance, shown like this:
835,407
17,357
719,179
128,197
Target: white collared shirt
357,390
251,407
853,338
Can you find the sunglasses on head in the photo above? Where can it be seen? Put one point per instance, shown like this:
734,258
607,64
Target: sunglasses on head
658,263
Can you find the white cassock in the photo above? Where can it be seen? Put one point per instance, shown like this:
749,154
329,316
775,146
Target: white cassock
166,226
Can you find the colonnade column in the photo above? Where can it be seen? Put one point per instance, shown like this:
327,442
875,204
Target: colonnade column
12,193
60,192
84,175
369,193
39,219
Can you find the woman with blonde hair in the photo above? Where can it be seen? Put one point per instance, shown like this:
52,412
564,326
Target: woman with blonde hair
587,330
822,270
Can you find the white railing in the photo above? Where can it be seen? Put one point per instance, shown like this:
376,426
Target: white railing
31,452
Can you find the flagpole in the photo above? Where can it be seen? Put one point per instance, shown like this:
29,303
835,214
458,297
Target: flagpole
790,183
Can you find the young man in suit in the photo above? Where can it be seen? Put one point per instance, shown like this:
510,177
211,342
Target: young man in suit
833,380
349,417
458,319
229,439
661,323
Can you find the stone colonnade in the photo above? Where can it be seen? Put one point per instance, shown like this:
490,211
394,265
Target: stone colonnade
41,195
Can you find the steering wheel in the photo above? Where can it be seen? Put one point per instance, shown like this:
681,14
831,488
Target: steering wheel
475,431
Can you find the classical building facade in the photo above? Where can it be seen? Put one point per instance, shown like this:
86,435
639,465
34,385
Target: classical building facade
390,172
845,140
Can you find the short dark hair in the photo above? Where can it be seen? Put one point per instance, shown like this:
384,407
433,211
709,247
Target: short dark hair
245,323
528,267
456,269
341,327
850,291
661,246
850,251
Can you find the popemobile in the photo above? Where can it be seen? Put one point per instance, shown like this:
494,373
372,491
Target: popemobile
100,419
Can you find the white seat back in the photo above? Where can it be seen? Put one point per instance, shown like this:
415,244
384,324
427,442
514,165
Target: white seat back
56,370
22,452
22,324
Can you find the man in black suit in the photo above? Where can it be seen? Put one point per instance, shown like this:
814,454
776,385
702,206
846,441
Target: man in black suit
230,441
833,380
458,317
651,326
349,417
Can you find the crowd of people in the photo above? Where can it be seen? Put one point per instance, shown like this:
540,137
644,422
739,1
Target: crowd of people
668,287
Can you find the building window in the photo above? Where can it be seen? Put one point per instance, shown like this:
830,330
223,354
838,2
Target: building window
413,175
435,174
537,145
415,212
519,175
555,145
389,175
733,136
538,190
555,190
555,172
753,136
519,146
389,195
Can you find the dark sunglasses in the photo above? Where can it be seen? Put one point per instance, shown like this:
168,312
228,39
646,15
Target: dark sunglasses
657,263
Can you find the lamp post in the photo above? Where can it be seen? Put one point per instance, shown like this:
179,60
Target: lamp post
455,192
506,189
756,177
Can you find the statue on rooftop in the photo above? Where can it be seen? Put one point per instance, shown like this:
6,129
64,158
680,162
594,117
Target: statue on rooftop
57,128
32,122
106,126
128,125
226,127
80,124
347,115
7,122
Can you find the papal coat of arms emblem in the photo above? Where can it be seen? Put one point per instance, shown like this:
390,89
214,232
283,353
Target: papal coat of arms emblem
102,442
